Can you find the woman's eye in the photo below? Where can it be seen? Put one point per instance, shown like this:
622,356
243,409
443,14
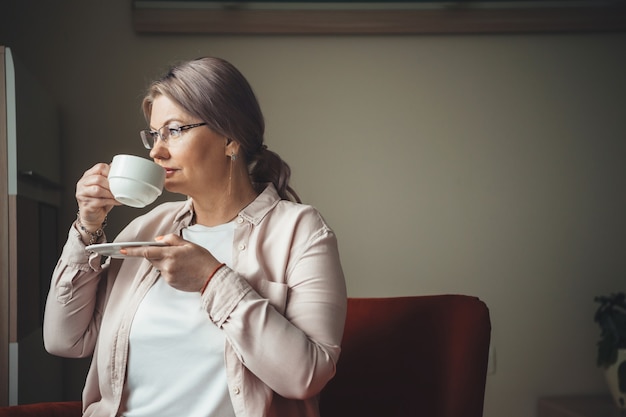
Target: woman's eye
174,131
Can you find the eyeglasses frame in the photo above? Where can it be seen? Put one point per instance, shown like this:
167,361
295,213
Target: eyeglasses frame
149,140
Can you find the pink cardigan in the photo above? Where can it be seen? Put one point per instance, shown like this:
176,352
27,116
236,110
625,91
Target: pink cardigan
282,307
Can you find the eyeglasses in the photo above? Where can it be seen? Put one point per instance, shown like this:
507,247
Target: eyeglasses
165,133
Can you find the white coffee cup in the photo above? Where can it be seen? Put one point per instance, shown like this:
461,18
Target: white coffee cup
135,181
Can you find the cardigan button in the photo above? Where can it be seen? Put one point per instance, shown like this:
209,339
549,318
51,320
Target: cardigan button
239,220
236,390
241,246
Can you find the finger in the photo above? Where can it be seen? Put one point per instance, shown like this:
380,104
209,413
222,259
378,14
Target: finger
135,252
146,254
98,169
93,195
94,186
149,252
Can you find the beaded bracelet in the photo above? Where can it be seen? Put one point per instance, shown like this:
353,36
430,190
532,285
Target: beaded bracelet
95,235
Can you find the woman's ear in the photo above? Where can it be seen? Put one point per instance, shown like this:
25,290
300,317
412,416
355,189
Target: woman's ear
231,148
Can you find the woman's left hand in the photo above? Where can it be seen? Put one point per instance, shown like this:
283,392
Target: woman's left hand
184,265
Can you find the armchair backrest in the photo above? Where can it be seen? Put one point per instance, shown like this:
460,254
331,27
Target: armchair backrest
411,356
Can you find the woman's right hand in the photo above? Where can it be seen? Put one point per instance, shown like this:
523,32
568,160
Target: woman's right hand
94,197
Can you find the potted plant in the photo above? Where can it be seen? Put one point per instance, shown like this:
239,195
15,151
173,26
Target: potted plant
611,317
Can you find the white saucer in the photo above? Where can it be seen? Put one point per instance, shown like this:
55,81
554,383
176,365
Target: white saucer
112,250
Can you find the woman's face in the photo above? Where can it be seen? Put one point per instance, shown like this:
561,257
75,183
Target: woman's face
195,162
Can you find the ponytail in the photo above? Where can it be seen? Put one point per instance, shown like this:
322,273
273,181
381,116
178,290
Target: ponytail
268,166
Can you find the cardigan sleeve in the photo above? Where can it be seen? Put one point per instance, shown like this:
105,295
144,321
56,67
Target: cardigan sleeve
287,333
74,304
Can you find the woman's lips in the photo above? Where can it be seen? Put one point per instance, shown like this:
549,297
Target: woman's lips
169,172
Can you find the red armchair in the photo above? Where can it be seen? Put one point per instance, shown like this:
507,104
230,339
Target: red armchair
420,356
402,357
57,409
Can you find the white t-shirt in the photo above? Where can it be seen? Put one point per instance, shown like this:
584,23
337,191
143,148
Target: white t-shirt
176,359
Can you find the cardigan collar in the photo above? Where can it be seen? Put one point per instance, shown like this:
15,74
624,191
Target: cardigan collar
253,212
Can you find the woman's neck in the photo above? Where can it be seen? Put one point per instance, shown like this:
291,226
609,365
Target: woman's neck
213,211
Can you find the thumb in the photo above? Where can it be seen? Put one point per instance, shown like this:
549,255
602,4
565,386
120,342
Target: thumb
171,239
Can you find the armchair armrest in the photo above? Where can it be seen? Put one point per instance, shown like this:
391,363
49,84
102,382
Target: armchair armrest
46,409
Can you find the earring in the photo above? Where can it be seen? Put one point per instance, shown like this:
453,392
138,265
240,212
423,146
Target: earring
233,156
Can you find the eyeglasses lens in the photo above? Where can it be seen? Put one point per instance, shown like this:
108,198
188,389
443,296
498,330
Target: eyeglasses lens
149,138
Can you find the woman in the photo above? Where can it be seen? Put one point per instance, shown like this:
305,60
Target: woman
242,312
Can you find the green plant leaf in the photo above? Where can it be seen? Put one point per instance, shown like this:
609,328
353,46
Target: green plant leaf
611,318
607,351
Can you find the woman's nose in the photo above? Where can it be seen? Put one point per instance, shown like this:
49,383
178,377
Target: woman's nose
159,150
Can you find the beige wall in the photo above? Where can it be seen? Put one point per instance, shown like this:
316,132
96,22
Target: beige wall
484,165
